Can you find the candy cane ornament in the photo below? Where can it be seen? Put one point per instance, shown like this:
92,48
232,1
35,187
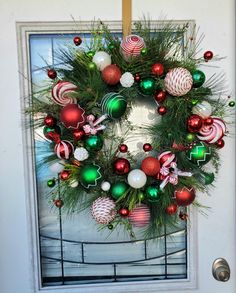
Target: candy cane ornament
211,134
61,92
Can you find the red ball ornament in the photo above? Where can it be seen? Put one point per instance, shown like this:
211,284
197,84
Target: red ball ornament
64,175
52,73
147,147
208,121
111,74
124,212
137,77
121,166
49,120
77,40
171,209
64,149
157,69
194,123
78,134
185,196
58,203
140,216
162,110
220,143
160,96
150,166
72,116
123,148
208,55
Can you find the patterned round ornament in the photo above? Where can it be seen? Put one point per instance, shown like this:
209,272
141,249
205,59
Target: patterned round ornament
198,78
185,196
113,105
90,175
111,74
121,166
72,116
127,79
150,166
214,132
93,143
200,154
166,158
202,109
81,154
131,46
101,59
62,93
137,178
103,210
140,216
64,149
178,81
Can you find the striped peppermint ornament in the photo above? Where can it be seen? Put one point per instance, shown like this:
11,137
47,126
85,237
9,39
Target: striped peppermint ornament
166,158
103,210
178,82
214,132
64,149
61,93
131,46
140,216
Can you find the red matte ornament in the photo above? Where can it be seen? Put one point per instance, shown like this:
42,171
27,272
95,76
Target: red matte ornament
78,134
208,121
58,203
123,148
124,212
194,123
111,74
64,175
77,40
121,166
72,116
52,73
220,143
208,55
171,209
49,120
162,110
157,69
160,96
147,147
185,196
150,166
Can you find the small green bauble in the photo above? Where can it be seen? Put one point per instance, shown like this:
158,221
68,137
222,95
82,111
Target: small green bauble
110,226
153,193
190,137
147,86
141,196
232,103
93,143
194,101
111,46
47,130
143,52
90,54
118,189
51,182
92,66
198,78
209,178
200,154
113,105
90,175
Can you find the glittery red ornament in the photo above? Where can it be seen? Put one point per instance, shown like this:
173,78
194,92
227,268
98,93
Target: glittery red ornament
150,166
58,203
157,69
111,74
123,148
208,55
171,209
137,77
78,134
185,196
160,96
64,175
208,121
194,123
220,143
162,110
124,212
147,147
77,40
49,120
52,73
183,216
72,116
121,166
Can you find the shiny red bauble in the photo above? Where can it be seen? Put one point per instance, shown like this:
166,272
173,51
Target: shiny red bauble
150,166
123,148
160,96
121,166
72,116
64,175
184,196
77,40
52,73
171,209
194,123
111,74
137,77
208,55
220,143
157,69
208,121
147,147
162,110
123,212
49,120
78,134
58,203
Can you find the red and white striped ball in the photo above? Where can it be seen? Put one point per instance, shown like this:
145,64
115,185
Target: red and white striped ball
61,93
131,46
140,216
212,133
64,149
178,81
103,210
166,158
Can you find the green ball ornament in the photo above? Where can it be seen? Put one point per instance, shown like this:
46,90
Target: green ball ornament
194,102
113,105
92,66
51,183
190,137
232,104
90,54
200,154
153,193
208,178
111,47
90,175
143,52
47,130
110,226
198,78
93,143
118,189
147,86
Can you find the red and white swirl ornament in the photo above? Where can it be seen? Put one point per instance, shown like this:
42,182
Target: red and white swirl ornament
64,149
61,92
131,46
166,158
178,81
214,132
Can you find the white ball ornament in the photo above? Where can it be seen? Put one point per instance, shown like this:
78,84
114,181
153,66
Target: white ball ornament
74,183
105,186
137,178
202,109
57,167
127,79
103,210
102,59
81,154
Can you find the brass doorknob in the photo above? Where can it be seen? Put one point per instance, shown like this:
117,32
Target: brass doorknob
221,270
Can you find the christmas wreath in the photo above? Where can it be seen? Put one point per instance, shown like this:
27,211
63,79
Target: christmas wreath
93,93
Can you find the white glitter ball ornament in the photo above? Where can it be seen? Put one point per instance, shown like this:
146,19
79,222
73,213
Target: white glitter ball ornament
102,59
81,154
127,79
178,82
103,210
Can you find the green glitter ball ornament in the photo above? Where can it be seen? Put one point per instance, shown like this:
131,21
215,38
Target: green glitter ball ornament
118,189
90,175
153,193
198,78
147,86
51,183
93,143
113,105
190,137
200,154
232,104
